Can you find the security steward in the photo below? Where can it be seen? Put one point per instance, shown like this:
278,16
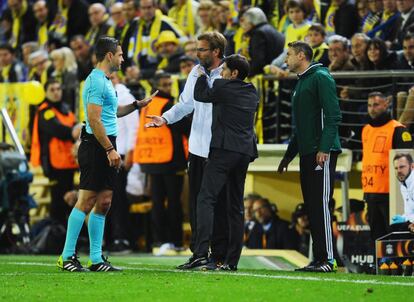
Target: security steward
54,132
379,136
162,153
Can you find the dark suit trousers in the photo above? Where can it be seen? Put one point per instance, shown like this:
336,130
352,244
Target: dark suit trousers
167,220
317,189
223,169
59,209
118,216
196,166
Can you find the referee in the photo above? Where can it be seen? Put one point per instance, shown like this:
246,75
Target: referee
98,158
316,117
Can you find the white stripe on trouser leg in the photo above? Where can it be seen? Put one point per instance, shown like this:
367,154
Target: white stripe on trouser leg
327,215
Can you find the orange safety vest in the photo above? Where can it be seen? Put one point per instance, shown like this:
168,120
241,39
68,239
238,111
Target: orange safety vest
155,145
60,151
376,144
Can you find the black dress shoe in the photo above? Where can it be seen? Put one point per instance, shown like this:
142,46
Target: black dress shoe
195,263
228,267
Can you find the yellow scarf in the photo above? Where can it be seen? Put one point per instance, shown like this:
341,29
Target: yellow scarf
112,30
370,23
183,16
42,34
93,32
145,46
59,24
319,51
329,19
241,43
17,22
5,73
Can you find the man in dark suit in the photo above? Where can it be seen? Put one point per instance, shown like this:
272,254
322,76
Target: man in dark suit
232,148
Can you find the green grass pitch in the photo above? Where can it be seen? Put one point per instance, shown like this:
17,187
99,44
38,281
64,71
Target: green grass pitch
149,278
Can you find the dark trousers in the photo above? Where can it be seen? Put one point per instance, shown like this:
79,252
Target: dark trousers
224,169
118,216
317,189
167,211
59,209
196,166
378,214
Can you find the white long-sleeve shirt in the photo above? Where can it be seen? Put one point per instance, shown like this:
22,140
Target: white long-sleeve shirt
200,136
128,124
407,192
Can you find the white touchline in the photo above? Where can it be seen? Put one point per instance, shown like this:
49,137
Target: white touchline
236,274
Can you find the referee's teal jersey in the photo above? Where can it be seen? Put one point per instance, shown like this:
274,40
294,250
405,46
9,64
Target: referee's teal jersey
99,90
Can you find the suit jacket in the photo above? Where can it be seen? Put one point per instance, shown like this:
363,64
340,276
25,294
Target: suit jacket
234,107
276,237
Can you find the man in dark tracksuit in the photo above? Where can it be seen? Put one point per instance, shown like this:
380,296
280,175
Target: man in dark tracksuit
316,117
232,148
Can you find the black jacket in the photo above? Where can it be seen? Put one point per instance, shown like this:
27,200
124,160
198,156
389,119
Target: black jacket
50,128
234,107
346,20
276,237
266,44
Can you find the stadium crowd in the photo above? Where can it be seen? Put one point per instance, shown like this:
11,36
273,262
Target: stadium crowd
52,41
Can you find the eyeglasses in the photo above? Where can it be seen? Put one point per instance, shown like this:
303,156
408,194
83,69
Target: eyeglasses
203,49
166,85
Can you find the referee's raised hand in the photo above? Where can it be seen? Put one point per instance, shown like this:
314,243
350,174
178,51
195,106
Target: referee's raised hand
147,100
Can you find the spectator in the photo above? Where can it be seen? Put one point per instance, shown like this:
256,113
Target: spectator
120,25
339,54
405,108
265,42
249,221
27,49
65,71
404,166
204,14
388,25
162,154
52,141
406,58
316,36
363,11
184,14
144,55
270,232
359,44
44,19
83,55
168,48
345,19
99,23
380,135
11,69
406,19
298,29
40,67
186,65
23,23
374,16
71,19
379,58
299,230
190,49
130,10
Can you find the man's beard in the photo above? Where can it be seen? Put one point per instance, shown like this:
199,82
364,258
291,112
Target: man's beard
207,63
114,68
